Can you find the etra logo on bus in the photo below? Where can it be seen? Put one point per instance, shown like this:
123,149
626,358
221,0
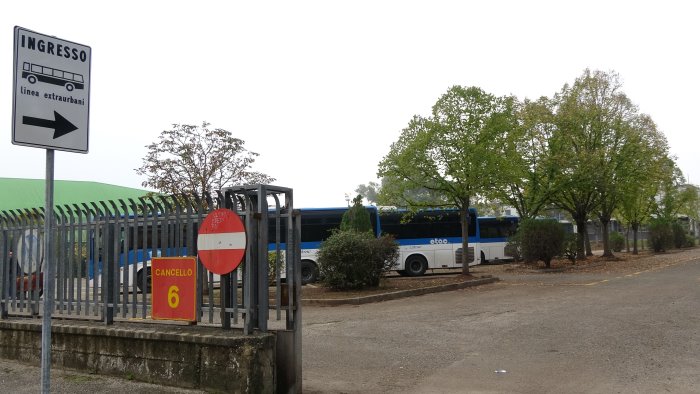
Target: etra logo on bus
438,241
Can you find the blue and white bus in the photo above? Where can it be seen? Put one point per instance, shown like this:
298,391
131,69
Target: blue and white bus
432,239
428,239
138,243
493,233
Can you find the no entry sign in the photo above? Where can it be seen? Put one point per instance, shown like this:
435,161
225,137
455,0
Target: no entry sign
221,241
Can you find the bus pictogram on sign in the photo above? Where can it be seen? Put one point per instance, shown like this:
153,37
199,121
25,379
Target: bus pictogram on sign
34,72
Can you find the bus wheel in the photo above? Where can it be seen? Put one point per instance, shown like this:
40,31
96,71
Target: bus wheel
69,87
416,265
483,258
139,279
31,79
309,272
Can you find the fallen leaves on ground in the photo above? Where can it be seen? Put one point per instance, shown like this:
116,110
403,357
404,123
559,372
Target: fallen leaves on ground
620,263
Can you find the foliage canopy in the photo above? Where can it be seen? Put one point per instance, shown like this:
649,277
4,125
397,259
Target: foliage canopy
459,153
194,159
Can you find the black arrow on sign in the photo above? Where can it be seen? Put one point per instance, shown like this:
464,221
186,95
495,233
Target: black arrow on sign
60,125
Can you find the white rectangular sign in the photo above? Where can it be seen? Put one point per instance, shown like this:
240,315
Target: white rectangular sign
51,104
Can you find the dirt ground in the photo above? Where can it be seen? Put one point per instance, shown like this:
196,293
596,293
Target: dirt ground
621,263
389,284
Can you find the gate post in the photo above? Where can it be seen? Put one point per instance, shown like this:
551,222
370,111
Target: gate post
108,279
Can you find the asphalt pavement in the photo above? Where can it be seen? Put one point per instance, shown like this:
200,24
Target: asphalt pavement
541,333
562,333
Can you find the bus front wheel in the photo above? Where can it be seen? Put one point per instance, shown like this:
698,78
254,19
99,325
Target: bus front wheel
416,265
309,272
140,278
69,87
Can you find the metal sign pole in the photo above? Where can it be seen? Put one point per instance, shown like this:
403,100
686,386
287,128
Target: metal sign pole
48,278
57,118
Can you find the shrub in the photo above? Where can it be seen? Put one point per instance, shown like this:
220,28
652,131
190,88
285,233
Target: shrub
272,264
355,260
617,241
689,241
513,248
679,235
660,235
570,246
541,240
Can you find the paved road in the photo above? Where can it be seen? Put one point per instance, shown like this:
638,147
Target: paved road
564,333
561,333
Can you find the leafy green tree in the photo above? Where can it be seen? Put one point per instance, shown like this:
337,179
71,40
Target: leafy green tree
583,118
356,218
529,186
621,144
392,194
653,166
675,196
194,159
677,199
463,150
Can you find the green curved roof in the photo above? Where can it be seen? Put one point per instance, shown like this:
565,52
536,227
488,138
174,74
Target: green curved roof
17,193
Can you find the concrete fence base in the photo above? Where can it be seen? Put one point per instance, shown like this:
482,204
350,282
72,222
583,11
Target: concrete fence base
183,356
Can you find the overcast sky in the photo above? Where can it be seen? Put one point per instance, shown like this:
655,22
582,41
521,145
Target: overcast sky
321,89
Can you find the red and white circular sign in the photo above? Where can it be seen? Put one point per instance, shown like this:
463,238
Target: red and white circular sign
221,241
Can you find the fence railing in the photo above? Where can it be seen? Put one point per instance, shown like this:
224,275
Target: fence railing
101,254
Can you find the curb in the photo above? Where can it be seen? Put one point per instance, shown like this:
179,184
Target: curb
396,294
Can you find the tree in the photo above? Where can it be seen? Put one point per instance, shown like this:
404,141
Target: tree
601,142
393,192
529,187
583,119
369,191
675,196
621,144
653,166
195,159
458,153
356,218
